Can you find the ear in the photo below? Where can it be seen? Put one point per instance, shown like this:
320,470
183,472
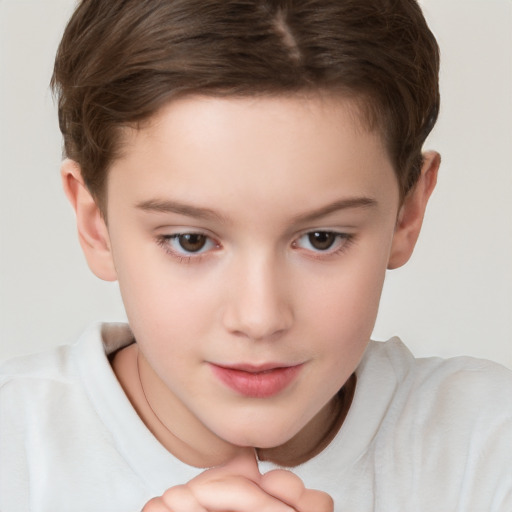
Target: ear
92,228
410,216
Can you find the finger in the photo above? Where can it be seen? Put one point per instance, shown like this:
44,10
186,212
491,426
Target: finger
155,505
315,501
283,485
236,493
244,463
290,489
181,499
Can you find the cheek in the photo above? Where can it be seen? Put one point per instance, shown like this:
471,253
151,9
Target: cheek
349,300
165,308
148,279
162,301
342,312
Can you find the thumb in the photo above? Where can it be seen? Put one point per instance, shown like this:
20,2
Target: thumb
289,488
244,463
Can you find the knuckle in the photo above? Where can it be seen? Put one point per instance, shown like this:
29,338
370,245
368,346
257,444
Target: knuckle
284,477
155,505
317,501
180,497
328,503
283,484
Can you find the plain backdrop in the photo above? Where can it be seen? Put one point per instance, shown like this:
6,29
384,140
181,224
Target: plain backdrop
454,296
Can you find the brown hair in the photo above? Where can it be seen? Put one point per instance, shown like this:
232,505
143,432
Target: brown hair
120,61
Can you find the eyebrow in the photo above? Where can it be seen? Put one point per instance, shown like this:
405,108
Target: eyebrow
342,204
168,206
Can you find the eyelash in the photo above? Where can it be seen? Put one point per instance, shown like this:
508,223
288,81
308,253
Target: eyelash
164,241
344,240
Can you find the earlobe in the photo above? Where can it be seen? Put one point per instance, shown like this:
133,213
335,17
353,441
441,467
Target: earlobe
410,217
92,228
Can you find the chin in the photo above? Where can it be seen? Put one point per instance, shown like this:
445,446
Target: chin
257,436
261,444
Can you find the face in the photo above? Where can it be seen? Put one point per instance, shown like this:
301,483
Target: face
250,238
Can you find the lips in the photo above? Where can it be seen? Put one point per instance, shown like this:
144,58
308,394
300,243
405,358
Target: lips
262,381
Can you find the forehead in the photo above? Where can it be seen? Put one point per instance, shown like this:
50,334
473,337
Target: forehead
314,107
268,146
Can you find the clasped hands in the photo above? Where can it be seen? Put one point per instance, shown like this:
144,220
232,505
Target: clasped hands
238,486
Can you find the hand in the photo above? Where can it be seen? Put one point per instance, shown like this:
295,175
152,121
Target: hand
238,486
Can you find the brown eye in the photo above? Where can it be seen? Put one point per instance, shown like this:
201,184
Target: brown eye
192,242
187,246
327,243
322,240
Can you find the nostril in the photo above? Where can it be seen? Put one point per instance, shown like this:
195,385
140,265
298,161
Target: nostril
257,325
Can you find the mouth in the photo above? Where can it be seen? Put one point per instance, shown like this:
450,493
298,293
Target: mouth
262,381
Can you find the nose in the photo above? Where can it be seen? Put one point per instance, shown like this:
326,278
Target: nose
259,305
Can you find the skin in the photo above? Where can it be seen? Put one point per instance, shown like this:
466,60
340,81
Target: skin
239,486
256,177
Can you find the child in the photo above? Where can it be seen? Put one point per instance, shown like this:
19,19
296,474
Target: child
248,170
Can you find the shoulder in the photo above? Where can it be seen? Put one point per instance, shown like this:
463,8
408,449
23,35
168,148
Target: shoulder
447,403
69,379
446,425
460,401
34,390
61,363
56,390
452,382
36,376
34,369
64,406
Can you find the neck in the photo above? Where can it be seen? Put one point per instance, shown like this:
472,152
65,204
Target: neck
192,442
317,434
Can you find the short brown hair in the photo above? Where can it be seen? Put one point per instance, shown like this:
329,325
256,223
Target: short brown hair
120,61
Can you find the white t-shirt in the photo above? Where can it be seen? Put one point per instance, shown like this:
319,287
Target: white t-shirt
421,435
